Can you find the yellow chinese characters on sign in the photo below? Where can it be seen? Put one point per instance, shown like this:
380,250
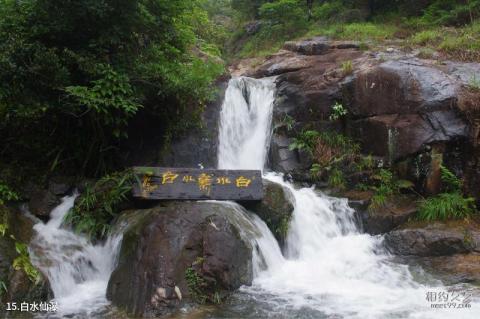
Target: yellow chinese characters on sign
147,186
205,182
188,179
223,180
243,181
168,177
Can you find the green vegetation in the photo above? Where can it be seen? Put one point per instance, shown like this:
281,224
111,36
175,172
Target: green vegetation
100,203
195,285
451,204
450,26
333,155
338,111
347,68
75,73
22,262
387,185
446,206
7,194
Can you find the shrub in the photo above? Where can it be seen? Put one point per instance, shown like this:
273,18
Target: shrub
99,204
446,206
387,186
7,194
449,205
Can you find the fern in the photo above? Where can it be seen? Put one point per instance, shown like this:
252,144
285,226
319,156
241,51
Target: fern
451,182
446,206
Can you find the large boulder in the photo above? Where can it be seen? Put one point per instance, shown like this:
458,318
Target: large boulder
395,212
190,251
400,87
397,136
275,209
435,239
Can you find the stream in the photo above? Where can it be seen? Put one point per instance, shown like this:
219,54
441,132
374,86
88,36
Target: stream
328,268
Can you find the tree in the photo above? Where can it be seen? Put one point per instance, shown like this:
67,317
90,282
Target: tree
73,73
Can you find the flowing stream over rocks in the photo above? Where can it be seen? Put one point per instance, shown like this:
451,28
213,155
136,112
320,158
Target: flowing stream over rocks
78,271
329,269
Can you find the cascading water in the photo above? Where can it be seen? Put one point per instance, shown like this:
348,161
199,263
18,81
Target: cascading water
330,269
245,121
78,271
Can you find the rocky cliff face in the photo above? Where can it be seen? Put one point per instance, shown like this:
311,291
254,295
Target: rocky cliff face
405,111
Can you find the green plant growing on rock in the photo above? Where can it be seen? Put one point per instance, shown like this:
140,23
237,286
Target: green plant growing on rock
3,288
451,204
195,284
100,203
338,112
347,68
336,179
305,141
446,206
22,262
7,194
388,186
289,122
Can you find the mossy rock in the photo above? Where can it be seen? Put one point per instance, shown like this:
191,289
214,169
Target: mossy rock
275,209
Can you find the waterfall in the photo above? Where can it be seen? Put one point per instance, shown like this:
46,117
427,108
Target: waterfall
329,267
78,271
245,121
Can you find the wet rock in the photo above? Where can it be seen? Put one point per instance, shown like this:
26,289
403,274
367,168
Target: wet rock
435,239
21,288
198,146
42,202
396,136
400,87
454,269
275,209
394,213
192,249
282,159
314,46
61,185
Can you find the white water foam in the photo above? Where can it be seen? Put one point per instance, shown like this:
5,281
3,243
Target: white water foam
78,271
245,117
328,266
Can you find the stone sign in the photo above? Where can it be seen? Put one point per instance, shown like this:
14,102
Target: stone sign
190,183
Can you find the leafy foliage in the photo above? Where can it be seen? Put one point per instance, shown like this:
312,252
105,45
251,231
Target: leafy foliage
446,206
338,111
75,73
7,194
451,183
195,285
22,262
100,203
387,186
